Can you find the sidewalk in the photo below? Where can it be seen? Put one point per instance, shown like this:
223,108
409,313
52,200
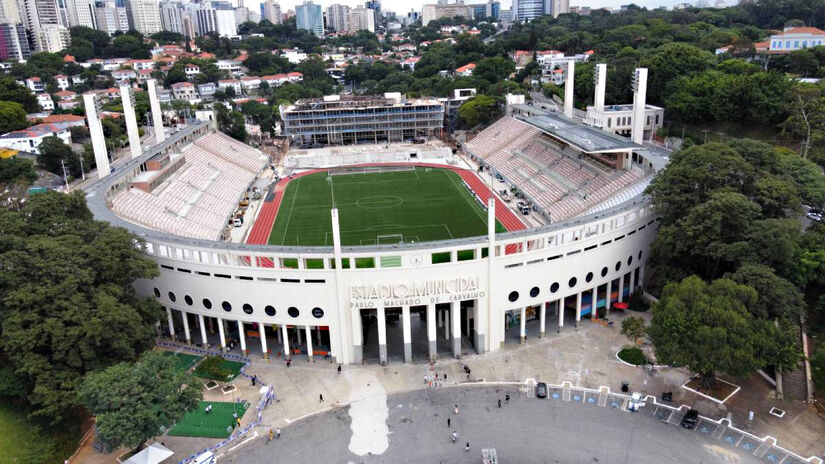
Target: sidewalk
585,358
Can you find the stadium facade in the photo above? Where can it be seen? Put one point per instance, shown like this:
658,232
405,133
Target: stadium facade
407,301
345,119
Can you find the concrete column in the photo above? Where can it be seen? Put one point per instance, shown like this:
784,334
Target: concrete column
542,318
578,309
242,337
221,334
522,331
96,133
487,325
204,341
300,337
285,334
569,86
171,323
780,391
186,327
157,116
348,326
621,287
560,308
641,282
632,287
455,312
357,338
405,321
609,297
262,332
309,343
639,102
601,83
431,332
594,313
382,335
131,121
278,337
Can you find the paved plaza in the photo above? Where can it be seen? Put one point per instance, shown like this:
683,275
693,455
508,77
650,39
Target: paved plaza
583,357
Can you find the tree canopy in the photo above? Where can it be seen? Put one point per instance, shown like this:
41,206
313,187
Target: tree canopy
132,401
67,305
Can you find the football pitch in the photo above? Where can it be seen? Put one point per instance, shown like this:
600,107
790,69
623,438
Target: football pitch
389,207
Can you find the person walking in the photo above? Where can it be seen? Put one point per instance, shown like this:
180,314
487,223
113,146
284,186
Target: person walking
507,398
455,436
321,397
455,409
271,435
288,362
339,368
448,422
277,432
499,402
254,379
467,448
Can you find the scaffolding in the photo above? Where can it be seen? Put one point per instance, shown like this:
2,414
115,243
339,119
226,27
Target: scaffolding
354,119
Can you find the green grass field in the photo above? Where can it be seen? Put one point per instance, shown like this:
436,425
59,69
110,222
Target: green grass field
183,361
378,208
22,442
233,367
198,423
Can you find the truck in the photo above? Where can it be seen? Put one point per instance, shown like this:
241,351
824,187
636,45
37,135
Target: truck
636,402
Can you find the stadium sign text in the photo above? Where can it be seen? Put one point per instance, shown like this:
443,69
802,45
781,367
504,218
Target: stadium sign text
416,293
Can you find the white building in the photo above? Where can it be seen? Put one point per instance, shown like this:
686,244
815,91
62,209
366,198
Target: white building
309,17
216,17
29,139
294,55
45,101
338,17
171,17
52,38
81,13
272,12
796,38
144,16
619,119
361,19
431,12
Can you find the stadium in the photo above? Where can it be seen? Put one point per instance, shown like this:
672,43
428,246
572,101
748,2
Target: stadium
398,248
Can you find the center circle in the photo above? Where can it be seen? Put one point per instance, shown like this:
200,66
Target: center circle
379,202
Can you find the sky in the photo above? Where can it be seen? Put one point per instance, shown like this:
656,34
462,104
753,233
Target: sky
403,6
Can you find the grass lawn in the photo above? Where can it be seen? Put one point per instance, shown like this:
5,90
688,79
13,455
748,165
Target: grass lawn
198,423
233,367
418,205
22,443
183,362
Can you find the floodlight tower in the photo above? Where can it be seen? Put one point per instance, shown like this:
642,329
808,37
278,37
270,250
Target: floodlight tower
600,78
157,116
637,133
569,74
127,96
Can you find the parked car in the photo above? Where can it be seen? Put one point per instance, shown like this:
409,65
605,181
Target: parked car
690,419
541,390
814,216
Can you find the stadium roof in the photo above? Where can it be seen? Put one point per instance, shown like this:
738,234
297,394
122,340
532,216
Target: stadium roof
585,138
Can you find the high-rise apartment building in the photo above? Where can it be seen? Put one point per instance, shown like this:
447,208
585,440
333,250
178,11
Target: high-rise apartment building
13,42
216,17
271,11
144,16
171,17
527,10
52,38
42,18
432,12
309,17
338,17
10,12
361,19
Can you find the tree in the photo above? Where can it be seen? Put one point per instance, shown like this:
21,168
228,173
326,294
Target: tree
710,327
818,366
67,304
11,91
777,298
51,152
480,109
231,122
494,69
12,117
806,119
133,401
633,328
16,169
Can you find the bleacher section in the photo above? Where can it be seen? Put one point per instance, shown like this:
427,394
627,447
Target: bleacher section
199,198
546,170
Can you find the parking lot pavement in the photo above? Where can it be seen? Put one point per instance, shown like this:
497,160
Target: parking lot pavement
525,430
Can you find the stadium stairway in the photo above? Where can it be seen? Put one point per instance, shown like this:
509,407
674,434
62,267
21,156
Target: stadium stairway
259,235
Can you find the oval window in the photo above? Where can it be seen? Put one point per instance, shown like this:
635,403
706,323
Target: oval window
269,310
226,306
513,296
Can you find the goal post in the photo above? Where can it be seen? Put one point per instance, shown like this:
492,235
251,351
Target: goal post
390,239
343,171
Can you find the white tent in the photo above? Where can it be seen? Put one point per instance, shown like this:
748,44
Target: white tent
152,454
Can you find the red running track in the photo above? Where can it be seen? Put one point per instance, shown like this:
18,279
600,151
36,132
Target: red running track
269,210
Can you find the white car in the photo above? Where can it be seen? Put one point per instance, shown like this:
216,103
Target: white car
814,216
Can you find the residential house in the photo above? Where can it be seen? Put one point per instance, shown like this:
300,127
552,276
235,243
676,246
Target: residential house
123,76
225,84
66,99
466,70
191,70
45,101
62,81
35,84
185,91
29,139
796,38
